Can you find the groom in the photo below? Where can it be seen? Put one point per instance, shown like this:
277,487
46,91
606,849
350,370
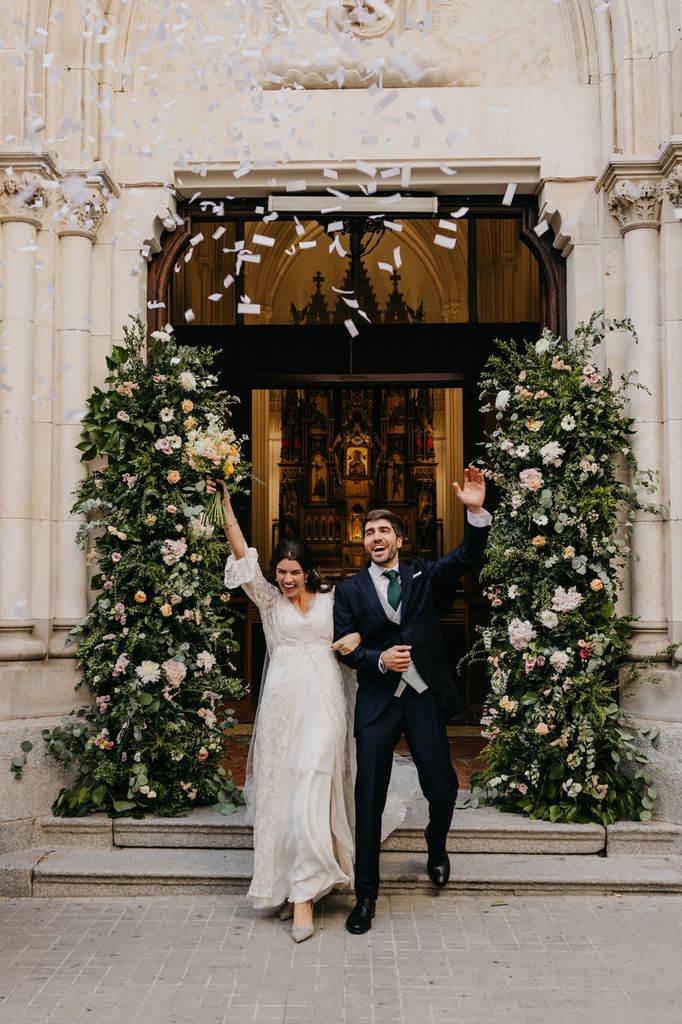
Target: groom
405,683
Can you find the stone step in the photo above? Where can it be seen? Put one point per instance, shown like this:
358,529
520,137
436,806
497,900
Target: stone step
148,872
484,830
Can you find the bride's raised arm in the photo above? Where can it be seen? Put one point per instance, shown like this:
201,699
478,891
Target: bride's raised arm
233,530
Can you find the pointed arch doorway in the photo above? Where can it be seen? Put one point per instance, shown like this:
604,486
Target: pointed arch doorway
324,329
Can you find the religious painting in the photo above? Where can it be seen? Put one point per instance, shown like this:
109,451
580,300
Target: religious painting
356,462
318,481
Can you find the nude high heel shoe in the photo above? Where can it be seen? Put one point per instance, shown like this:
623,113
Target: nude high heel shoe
301,932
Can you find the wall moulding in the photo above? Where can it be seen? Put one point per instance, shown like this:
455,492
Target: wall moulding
482,177
35,187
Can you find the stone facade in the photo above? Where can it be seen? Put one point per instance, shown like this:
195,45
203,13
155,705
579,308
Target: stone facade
113,109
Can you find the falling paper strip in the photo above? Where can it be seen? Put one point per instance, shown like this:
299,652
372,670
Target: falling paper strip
189,315
540,228
447,225
336,225
393,225
196,239
263,240
397,258
248,307
229,280
351,328
308,245
352,303
445,242
462,212
509,194
385,266
215,297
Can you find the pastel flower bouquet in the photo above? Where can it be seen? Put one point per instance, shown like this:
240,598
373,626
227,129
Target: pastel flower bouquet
214,451
558,747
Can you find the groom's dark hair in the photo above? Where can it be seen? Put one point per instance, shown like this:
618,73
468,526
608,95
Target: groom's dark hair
384,513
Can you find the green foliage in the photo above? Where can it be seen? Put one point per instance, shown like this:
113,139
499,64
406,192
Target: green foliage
557,748
19,760
155,647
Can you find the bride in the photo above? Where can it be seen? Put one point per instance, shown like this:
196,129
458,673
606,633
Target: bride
298,785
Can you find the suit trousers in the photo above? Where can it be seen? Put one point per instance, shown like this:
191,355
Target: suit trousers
420,718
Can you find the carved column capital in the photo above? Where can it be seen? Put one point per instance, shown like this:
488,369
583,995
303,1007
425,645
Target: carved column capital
636,204
80,214
23,197
673,186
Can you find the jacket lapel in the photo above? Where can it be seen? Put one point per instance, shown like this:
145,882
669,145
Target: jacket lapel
366,584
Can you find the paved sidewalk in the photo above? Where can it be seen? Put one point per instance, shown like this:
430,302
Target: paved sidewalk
428,959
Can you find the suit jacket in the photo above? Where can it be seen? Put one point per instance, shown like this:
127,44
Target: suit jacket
427,587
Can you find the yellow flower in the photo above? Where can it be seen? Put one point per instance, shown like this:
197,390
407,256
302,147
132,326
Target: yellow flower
569,552
173,476
539,541
534,425
229,469
150,520
190,422
140,597
187,405
596,585
166,610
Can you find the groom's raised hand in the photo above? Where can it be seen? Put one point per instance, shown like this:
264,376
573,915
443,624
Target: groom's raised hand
472,494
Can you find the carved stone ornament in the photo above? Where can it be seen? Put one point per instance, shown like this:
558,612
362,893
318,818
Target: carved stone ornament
323,44
673,186
80,218
636,204
23,196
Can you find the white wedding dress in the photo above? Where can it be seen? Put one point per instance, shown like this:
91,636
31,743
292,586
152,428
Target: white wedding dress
299,777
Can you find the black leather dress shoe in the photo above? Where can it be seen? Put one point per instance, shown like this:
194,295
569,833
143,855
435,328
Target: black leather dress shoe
437,865
359,920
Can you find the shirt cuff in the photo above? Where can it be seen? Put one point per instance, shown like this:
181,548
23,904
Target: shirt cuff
479,518
382,667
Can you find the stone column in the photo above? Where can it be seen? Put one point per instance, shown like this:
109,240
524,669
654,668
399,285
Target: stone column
78,225
22,207
672,296
635,202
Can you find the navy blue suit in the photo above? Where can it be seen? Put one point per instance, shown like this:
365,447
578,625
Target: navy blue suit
426,588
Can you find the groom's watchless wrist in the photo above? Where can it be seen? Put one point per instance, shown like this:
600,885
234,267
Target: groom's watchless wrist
382,667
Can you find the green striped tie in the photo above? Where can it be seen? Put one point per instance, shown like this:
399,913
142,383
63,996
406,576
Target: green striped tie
393,593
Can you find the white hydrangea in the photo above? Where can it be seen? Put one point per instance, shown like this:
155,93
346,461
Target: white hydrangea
549,619
502,400
188,381
521,633
559,660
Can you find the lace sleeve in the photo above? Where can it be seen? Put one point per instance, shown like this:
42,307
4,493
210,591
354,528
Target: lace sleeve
246,573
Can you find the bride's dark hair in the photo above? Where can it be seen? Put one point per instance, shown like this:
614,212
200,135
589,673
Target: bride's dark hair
298,551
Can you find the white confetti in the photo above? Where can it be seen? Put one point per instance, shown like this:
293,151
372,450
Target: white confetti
219,232
308,245
352,303
336,225
189,315
351,328
445,242
248,307
329,172
299,185
337,247
397,258
263,240
509,194
445,169
229,280
540,228
447,225
196,239
462,212
393,225
215,297
385,266
365,168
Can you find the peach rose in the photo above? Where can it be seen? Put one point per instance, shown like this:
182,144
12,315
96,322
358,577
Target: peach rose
173,476
140,597
187,405
596,585
166,610
542,728
539,541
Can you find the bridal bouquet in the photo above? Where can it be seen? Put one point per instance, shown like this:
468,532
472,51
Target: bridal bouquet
214,451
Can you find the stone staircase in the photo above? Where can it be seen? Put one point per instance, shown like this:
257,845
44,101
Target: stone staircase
207,852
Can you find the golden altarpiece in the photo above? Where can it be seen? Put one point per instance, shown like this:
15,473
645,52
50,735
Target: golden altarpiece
346,450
